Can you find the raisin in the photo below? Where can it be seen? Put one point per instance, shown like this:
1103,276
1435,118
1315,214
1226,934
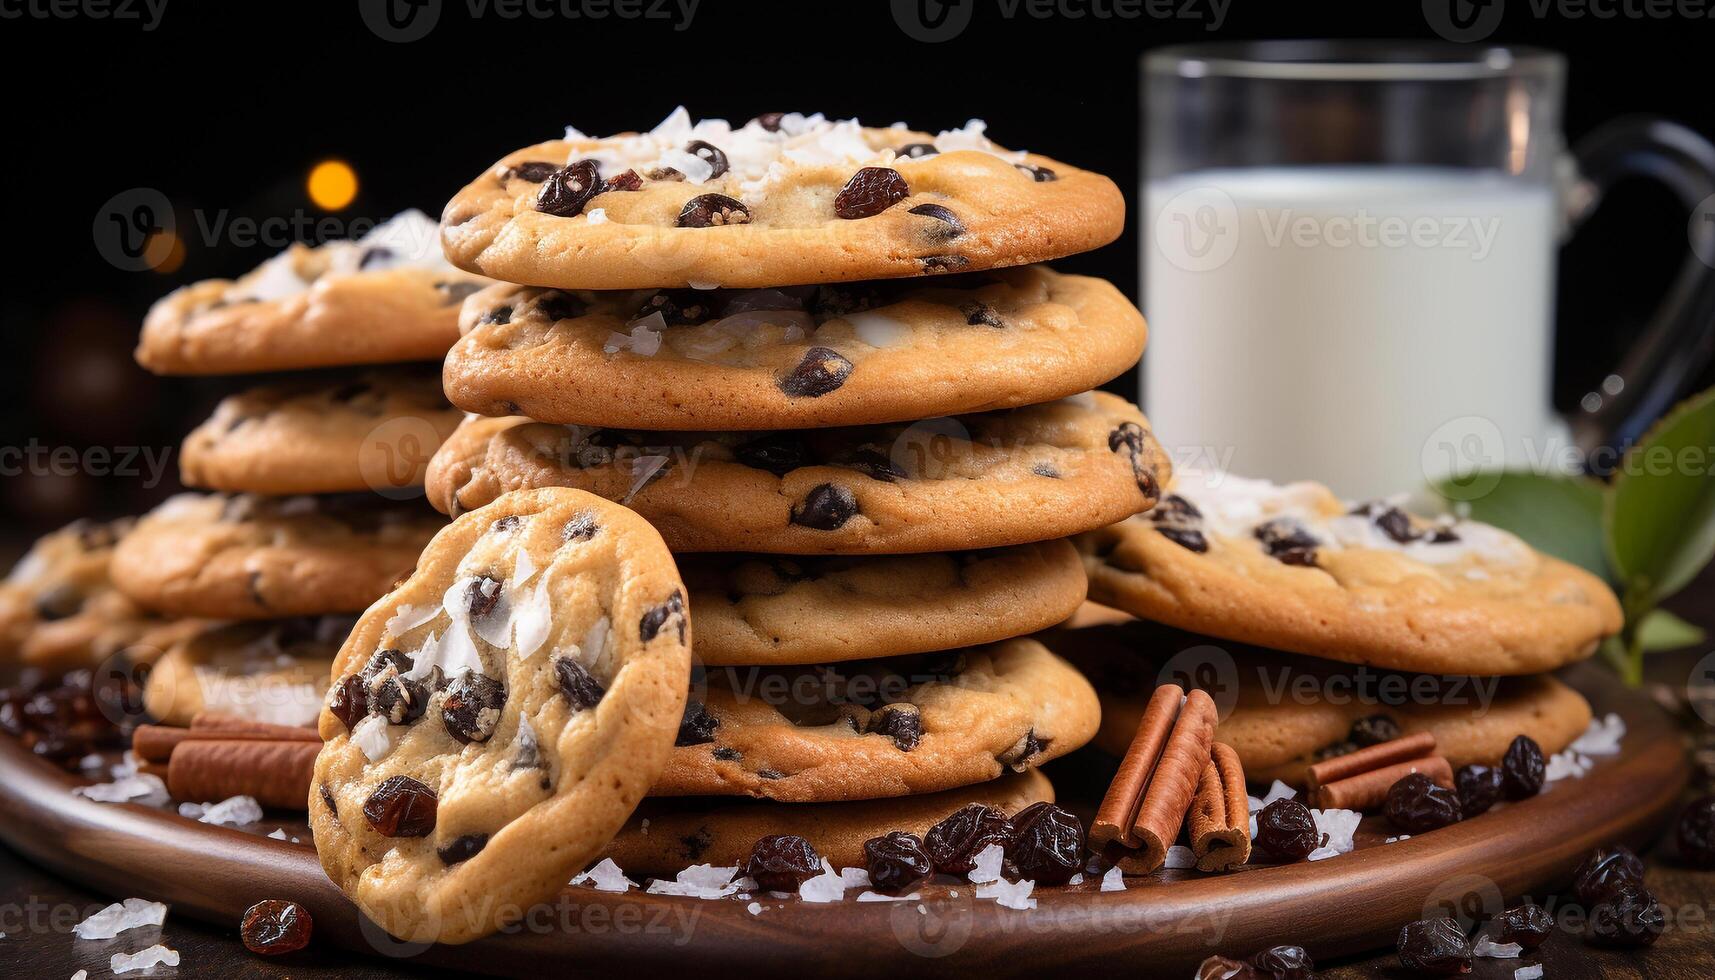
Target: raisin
349,701
1039,174
777,452
581,690
782,862
901,722
1606,870
1373,730
380,660
1522,769
1174,509
1628,917
1528,925
709,154
654,620
678,307
871,463
1417,803
981,314
822,370
534,171
1287,541
401,807
557,306
565,192
827,507
1047,845
953,844
462,848
913,151
897,863
1017,758
1130,437
1286,829
471,707
58,603
843,298
1284,963
1187,538
713,210
697,727
950,226
1396,525
273,927
398,698
1479,789
482,595
1696,833
628,181
1435,946
499,315
869,192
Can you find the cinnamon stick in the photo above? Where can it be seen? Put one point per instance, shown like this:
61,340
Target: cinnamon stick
1167,798
222,722
1367,791
155,743
1415,746
1220,813
276,773
1113,823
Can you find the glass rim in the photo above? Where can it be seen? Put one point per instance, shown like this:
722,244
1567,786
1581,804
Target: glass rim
1350,60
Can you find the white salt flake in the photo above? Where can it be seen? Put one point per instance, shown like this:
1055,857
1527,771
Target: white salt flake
1532,972
279,833
234,811
596,216
869,896
133,913
1113,880
142,786
1279,791
1565,765
1485,946
156,955
698,881
708,875
605,877
1011,894
1603,737
1180,856
754,908
829,886
80,975
1076,879
986,865
1340,827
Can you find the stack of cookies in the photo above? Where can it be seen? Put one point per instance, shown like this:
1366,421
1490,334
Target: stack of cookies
315,477
1325,627
818,359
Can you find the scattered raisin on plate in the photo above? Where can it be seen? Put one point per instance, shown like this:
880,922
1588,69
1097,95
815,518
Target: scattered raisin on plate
782,862
1287,830
1417,804
1047,846
1627,917
896,862
273,927
1522,769
1528,925
1435,946
1284,963
1696,833
954,843
1605,870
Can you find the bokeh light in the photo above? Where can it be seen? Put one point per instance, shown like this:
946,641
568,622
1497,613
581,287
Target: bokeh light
332,184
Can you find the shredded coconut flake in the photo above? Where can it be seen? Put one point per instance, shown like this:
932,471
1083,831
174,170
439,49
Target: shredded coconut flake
371,736
409,618
133,913
829,886
156,955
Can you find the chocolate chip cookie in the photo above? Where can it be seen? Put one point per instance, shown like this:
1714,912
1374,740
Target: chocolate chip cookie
59,611
894,727
777,609
388,296
495,719
793,357
1293,568
373,430
784,199
271,671
969,481
248,557
1285,712
665,836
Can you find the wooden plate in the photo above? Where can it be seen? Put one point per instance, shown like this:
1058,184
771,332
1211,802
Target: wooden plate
1342,905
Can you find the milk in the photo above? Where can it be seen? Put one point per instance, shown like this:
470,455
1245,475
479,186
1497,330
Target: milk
1368,327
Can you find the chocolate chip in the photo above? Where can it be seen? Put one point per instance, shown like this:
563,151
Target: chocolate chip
582,527
664,173
827,507
1130,437
349,701
678,307
901,722
1029,747
401,807
770,121
728,754
462,848
380,660
398,698
777,452
871,463
697,727
58,602
821,371
943,263
471,707
913,151
628,181
981,315
557,306
1442,535
841,299
327,801
1174,509
456,292
500,314
565,192
482,595
655,619
869,192
713,210
582,691
1190,539
534,171
1396,525
1039,174
1373,730
950,227
709,154
1288,541
374,256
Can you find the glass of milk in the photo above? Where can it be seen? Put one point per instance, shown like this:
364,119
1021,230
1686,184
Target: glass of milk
1349,260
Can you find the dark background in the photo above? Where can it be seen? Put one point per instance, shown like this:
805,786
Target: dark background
228,106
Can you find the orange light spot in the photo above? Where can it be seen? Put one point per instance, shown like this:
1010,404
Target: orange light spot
332,184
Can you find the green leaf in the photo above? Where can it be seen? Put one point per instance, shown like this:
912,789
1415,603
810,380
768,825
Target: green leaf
1561,515
1662,630
1660,513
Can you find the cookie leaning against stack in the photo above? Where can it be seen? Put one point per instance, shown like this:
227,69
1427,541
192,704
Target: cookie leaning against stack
314,477
817,357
